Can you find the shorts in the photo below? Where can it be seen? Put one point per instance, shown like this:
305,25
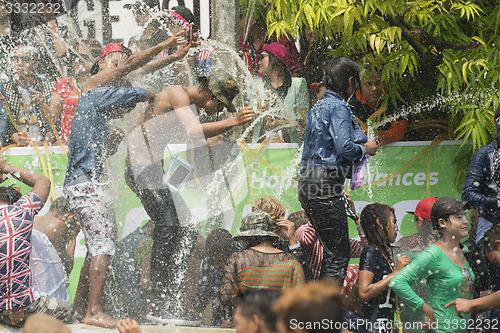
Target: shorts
88,200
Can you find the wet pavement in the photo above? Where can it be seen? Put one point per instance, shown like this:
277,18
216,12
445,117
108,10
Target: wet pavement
81,328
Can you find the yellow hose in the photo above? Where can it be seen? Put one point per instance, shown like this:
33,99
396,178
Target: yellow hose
52,193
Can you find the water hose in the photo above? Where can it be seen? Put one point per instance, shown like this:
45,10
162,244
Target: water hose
14,123
52,193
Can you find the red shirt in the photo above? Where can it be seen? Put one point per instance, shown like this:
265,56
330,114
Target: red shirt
67,89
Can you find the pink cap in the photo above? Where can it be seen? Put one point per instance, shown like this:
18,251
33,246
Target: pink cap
283,54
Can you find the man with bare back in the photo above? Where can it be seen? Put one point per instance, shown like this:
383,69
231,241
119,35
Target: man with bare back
174,235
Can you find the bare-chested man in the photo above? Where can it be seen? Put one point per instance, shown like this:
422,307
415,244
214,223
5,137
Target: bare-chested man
144,176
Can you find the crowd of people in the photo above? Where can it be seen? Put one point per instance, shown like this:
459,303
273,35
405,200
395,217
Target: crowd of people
279,273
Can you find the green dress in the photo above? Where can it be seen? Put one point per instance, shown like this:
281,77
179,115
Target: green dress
445,281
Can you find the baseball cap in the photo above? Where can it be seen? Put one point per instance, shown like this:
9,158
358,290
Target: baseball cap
423,209
115,47
446,206
224,88
110,48
256,224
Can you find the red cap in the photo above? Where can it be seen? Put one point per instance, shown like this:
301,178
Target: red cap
423,209
283,54
115,47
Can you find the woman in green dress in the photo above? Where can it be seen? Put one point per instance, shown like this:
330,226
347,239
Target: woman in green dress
445,267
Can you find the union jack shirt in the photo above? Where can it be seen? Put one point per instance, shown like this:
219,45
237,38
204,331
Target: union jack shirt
16,224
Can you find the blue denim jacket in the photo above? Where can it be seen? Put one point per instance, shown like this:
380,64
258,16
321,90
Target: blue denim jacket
479,187
333,138
88,137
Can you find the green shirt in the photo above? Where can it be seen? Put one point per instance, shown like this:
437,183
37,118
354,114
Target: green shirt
445,282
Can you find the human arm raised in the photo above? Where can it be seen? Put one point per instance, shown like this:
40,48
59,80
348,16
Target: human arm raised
39,183
132,63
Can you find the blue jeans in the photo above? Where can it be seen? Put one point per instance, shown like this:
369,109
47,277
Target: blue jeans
483,225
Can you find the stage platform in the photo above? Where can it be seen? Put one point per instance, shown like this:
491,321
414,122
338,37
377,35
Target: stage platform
81,328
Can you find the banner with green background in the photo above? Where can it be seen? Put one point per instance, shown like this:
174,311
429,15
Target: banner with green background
221,191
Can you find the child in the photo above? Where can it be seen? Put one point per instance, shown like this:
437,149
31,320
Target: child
377,267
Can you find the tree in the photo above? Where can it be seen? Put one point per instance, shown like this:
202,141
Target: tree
423,48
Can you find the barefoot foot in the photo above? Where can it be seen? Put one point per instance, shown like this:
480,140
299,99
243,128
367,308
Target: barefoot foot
100,319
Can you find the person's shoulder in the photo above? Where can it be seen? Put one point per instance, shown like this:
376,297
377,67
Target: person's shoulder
490,147
174,94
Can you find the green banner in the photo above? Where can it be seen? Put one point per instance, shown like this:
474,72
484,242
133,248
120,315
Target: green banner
230,177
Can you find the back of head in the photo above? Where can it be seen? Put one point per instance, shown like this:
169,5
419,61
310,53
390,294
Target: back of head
337,73
218,243
62,208
9,195
492,235
270,205
259,302
313,303
42,323
298,218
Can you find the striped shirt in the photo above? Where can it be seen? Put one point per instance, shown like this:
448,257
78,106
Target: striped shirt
306,235
282,275
261,270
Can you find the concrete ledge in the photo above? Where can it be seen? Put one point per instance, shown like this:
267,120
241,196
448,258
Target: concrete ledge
81,328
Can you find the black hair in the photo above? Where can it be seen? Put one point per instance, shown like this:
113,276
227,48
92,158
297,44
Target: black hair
277,65
369,216
492,235
219,243
9,195
337,73
258,302
203,84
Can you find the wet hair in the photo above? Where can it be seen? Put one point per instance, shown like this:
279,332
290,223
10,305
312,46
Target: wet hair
369,216
312,303
9,195
277,65
61,206
219,243
258,302
270,205
337,73
203,84
492,235
298,218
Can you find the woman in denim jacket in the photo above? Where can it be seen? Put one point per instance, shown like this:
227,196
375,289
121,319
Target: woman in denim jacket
333,142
